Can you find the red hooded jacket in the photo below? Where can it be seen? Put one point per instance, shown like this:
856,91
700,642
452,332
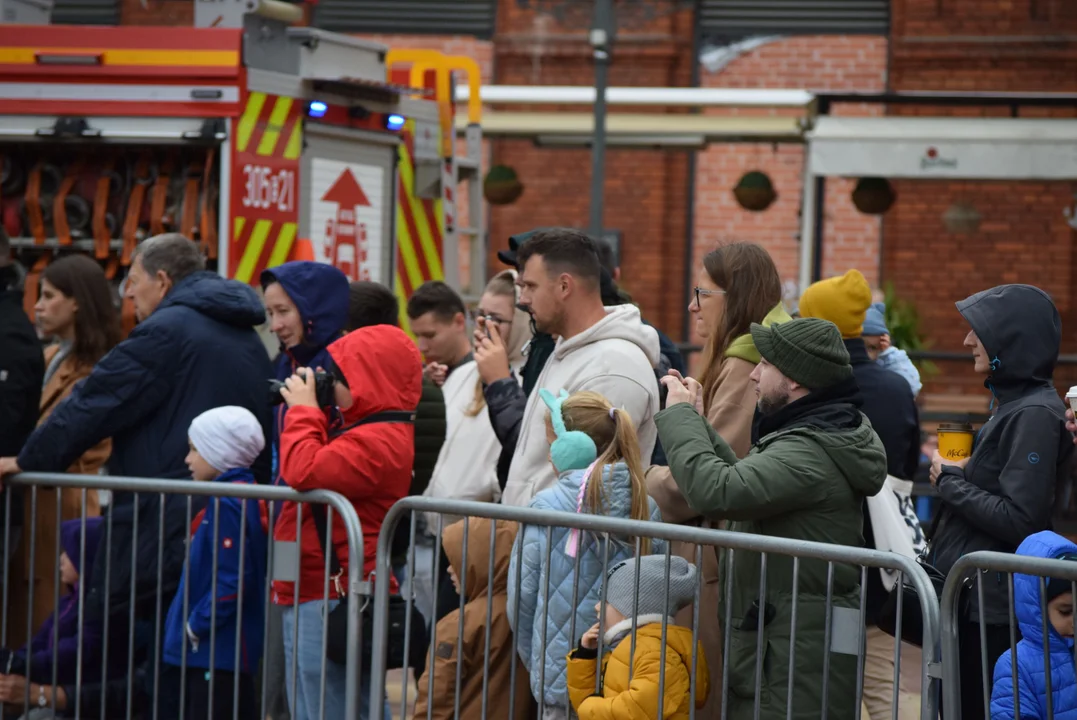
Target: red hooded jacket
370,465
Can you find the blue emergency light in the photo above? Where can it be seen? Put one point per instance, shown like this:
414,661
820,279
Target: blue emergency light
317,109
394,122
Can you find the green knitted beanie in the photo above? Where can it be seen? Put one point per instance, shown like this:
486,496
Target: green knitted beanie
808,351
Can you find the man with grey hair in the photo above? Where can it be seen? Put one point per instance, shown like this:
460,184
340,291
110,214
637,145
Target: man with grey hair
195,348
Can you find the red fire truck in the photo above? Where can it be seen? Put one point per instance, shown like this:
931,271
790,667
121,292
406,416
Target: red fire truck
263,143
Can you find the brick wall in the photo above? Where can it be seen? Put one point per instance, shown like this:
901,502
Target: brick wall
646,192
993,45
851,238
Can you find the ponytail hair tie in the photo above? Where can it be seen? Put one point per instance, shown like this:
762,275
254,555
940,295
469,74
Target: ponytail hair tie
613,414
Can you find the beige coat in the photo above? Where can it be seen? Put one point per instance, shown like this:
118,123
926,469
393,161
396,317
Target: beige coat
483,661
730,411
46,551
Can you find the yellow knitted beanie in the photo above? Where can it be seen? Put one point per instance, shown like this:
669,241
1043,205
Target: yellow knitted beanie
843,301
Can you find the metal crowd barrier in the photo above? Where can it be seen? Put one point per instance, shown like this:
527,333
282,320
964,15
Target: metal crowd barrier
842,637
956,590
160,495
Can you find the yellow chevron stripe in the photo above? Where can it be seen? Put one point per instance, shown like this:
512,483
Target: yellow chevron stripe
160,58
237,226
274,127
407,250
425,241
247,122
253,250
295,142
430,248
283,245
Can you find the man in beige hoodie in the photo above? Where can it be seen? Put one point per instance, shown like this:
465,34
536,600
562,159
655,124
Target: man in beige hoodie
605,350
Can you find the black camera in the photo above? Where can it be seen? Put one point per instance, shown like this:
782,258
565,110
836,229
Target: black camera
324,384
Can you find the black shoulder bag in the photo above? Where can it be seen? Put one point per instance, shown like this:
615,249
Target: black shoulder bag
337,642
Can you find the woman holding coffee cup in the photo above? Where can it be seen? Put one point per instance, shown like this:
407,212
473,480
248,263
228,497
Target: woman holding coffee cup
1004,491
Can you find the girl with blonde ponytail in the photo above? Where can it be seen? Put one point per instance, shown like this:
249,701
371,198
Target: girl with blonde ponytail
595,451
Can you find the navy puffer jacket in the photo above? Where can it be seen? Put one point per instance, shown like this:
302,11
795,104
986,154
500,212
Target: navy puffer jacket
198,350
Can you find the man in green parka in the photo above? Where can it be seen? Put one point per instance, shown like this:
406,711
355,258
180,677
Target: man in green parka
805,479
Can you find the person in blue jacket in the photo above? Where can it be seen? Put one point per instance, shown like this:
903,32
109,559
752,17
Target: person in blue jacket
594,449
307,306
1029,699
204,632
195,348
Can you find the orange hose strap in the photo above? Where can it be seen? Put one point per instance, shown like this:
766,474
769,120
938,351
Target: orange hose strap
111,267
160,198
190,200
134,209
33,205
208,228
101,234
59,211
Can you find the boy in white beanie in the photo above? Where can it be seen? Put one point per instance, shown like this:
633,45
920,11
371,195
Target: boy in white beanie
630,683
224,443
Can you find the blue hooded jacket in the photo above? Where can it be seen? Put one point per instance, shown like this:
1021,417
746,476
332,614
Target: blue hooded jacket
548,645
1031,678
321,294
197,584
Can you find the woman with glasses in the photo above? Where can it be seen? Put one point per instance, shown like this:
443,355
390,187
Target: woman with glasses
467,465
738,285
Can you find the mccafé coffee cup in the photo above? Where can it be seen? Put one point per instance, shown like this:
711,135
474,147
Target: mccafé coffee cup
955,441
1071,399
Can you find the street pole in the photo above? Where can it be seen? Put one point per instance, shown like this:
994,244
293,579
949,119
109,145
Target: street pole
601,38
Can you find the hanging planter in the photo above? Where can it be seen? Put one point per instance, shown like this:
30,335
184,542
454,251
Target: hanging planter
501,186
873,195
754,191
962,217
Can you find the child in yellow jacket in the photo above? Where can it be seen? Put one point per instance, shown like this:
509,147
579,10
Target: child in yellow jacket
638,699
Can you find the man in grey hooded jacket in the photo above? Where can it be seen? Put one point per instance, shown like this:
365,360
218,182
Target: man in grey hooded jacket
606,350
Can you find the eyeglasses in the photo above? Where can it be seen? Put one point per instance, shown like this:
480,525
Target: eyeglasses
702,293
487,317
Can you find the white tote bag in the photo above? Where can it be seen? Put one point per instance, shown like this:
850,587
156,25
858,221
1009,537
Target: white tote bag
895,524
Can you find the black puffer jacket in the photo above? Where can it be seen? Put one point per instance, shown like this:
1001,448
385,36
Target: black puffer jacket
1007,489
22,369
891,408
429,437
506,399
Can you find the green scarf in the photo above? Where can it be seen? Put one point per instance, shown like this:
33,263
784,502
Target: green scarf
743,347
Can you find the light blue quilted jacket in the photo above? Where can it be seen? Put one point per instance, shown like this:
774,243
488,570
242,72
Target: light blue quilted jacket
566,621
1031,678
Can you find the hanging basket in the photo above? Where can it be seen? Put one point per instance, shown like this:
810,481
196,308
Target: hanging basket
873,195
755,192
501,186
962,217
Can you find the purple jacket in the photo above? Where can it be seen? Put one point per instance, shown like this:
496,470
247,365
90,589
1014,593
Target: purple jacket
59,634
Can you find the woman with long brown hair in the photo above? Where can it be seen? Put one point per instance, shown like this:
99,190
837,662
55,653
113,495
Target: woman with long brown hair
75,309
738,285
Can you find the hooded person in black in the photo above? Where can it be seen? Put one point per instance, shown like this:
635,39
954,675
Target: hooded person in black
1005,491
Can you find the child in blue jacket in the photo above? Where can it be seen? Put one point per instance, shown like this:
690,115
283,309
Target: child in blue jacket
594,448
1031,692
224,442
